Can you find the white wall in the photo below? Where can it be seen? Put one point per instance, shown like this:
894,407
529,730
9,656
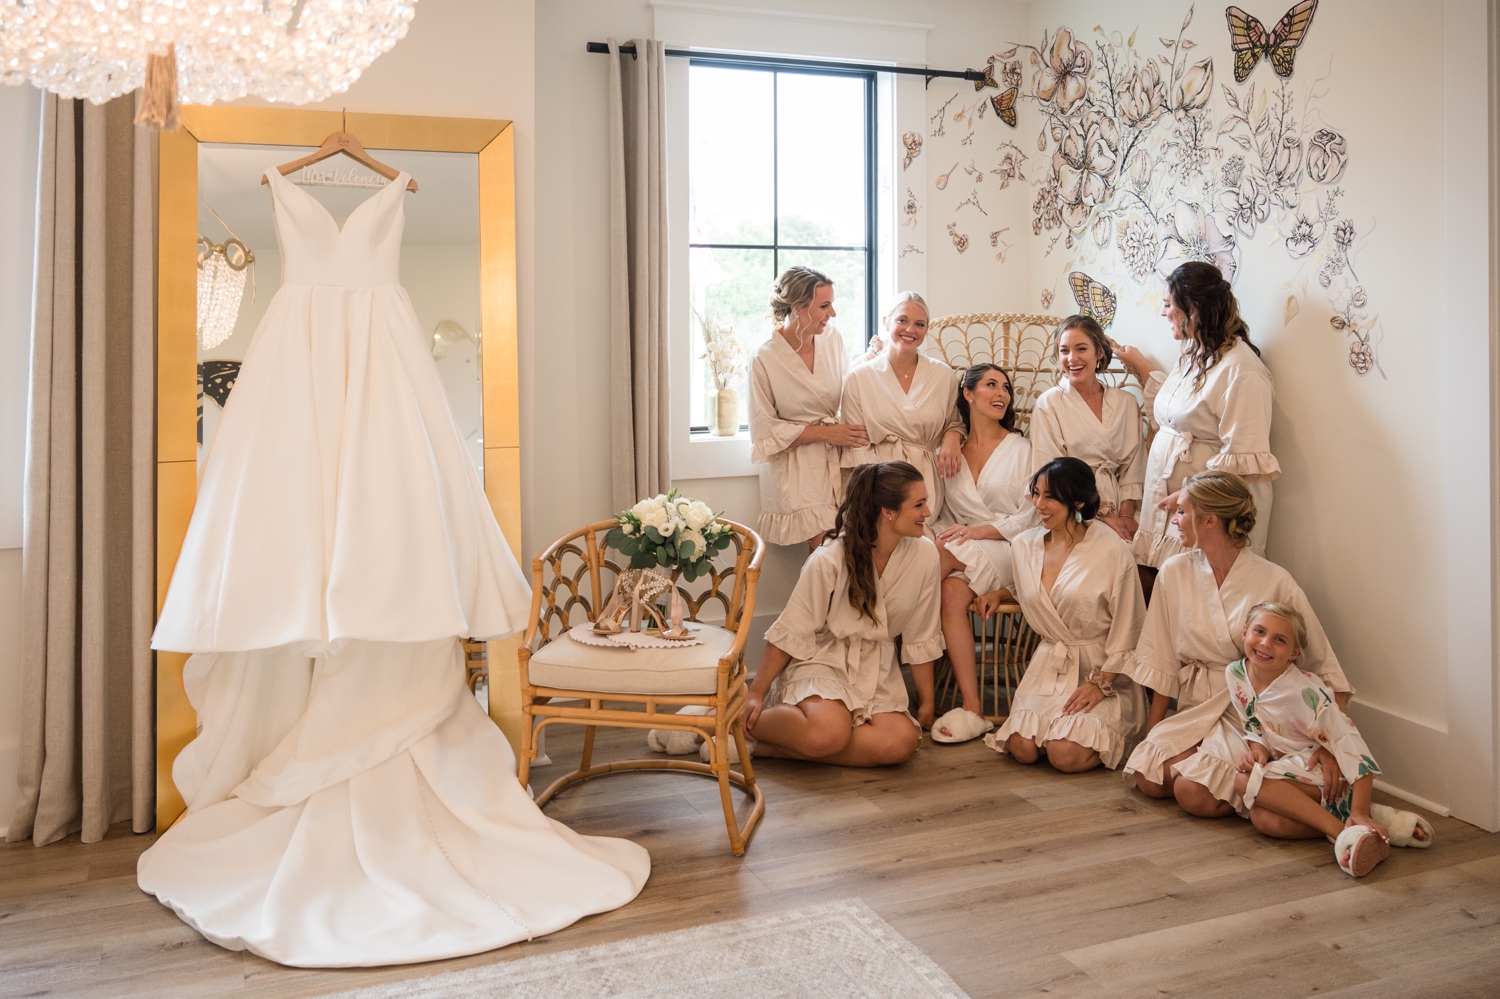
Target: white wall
20,121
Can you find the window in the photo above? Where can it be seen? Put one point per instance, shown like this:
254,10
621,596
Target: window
781,167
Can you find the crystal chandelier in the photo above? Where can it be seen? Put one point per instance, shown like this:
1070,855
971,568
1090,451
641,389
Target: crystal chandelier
196,51
221,286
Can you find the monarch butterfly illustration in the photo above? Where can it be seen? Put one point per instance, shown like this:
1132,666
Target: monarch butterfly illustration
1094,299
215,380
1250,40
989,76
1005,105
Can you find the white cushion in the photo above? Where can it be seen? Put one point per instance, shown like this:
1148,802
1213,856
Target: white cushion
693,669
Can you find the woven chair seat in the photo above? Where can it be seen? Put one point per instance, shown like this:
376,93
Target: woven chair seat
694,669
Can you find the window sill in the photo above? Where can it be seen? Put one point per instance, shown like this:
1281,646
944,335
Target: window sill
709,456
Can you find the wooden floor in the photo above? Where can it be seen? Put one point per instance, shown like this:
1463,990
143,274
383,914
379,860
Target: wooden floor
1019,881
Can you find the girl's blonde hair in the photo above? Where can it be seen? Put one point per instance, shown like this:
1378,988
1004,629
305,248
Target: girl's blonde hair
794,289
900,299
1224,495
1287,613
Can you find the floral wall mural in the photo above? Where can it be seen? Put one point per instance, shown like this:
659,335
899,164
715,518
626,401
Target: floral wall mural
1148,154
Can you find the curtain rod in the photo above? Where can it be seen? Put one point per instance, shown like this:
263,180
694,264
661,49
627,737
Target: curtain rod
600,48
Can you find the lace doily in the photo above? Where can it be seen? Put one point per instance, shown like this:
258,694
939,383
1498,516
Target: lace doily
584,634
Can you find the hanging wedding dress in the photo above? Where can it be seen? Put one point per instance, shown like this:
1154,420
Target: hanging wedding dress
349,803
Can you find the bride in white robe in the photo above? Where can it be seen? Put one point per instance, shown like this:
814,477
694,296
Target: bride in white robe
1193,629
348,801
1078,588
796,384
907,402
985,506
1083,418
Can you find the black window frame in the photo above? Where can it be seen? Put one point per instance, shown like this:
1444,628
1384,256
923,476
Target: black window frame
872,219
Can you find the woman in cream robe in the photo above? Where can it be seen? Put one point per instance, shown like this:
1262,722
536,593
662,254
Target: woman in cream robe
829,688
800,479
1192,631
906,422
1213,409
1063,423
1089,625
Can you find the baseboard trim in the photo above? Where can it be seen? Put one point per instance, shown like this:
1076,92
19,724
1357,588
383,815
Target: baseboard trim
1414,799
1412,755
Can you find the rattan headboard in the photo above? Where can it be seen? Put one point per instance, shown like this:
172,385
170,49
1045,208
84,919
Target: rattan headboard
1024,344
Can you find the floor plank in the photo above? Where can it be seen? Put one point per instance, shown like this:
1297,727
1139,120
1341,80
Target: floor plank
1018,880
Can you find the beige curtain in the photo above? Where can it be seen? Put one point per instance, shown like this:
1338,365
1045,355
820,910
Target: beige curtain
639,428
87,687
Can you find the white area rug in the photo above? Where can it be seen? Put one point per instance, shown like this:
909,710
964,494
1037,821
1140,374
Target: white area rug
838,950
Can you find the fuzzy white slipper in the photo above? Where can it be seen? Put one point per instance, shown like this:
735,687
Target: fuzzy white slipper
962,726
1402,826
675,743
1358,849
734,750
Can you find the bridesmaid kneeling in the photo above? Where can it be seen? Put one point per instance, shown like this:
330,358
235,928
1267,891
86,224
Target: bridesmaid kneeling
1077,586
838,695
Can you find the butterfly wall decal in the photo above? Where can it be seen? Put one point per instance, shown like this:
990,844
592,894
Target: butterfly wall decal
1005,105
215,380
1094,299
913,143
989,76
1250,40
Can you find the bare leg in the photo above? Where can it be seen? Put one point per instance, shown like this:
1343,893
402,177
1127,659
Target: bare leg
1168,778
809,730
923,677
1070,757
887,738
1290,810
1023,749
958,635
1195,799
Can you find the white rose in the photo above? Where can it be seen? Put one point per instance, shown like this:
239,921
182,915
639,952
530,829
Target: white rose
697,515
627,528
698,544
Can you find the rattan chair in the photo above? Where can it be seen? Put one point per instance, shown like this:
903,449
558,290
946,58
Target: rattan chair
1024,345
572,581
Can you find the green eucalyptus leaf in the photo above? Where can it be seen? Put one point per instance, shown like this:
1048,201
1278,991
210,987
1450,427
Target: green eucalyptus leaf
653,534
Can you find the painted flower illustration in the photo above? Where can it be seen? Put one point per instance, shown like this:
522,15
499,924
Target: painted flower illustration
1287,159
1199,235
1327,155
1197,86
1141,97
1140,170
1247,206
1085,168
1047,206
1010,73
1361,357
1139,247
1232,170
1064,78
1343,234
1306,234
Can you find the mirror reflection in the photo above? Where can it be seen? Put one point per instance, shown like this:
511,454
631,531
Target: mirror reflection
440,264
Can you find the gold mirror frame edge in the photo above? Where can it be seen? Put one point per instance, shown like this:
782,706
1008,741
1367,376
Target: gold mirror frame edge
176,351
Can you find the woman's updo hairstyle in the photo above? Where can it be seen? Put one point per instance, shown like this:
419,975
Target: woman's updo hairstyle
970,378
794,289
884,485
1093,331
1198,286
1287,613
1070,481
900,299
1224,495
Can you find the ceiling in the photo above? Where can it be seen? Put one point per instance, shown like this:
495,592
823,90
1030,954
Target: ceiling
445,211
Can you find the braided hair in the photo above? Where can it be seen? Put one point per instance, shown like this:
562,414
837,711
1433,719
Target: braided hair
872,488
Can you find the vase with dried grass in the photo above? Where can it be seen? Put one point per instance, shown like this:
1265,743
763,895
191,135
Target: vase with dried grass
727,361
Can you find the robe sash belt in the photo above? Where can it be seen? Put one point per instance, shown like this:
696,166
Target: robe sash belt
864,661
1109,488
1195,682
1058,662
1182,446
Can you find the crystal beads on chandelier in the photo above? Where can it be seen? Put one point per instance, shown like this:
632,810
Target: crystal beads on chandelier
221,286
224,49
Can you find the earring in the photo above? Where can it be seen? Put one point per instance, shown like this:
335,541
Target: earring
1078,515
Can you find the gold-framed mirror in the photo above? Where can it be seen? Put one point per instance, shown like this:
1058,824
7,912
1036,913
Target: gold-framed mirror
462,250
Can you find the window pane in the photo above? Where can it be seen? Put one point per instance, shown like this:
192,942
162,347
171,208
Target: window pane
821,159
730,151
732,286
847,269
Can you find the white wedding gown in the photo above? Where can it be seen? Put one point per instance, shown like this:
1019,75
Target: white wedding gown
349,803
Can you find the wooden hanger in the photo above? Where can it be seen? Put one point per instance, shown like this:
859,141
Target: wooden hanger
342,142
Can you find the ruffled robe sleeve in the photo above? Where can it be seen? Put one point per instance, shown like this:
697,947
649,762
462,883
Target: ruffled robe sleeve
1333,730
922,635
1128,613
1155,662
805,615
1047,440
852,413
1245,426
769,434
1132,476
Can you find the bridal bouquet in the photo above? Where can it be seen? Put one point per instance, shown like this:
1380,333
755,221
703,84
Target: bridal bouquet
670,531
